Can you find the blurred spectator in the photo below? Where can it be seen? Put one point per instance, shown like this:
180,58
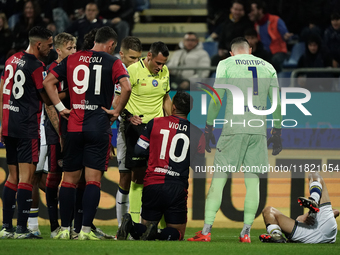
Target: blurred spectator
315,56
52,27
60,18
311,14
28,19
332,38
46,10
84,25
218,12
235,26
256,45
191,54
119,14
74,8
6,39
272,32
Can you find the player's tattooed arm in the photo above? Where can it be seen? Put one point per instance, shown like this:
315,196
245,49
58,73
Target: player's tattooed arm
53,116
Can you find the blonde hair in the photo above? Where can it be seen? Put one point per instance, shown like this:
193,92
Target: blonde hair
63,38
4,20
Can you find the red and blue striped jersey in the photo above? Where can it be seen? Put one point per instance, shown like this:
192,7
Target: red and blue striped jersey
21,109
173,144
91,77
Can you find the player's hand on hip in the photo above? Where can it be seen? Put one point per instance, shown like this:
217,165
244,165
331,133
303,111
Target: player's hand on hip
113,114
209,136
136,120
276,140
65,113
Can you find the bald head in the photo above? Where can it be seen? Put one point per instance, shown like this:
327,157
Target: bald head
240,46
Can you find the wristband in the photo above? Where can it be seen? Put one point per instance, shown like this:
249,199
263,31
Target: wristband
60,106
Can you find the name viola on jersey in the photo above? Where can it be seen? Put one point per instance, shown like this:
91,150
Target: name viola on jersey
178,126
88,59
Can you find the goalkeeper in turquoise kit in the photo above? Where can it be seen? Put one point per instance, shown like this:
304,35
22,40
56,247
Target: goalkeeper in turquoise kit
242,145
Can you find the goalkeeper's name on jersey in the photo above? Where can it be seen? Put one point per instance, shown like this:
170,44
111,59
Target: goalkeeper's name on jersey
249,62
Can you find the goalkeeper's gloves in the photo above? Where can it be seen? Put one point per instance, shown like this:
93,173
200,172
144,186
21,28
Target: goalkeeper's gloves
276,140
209,136
126,115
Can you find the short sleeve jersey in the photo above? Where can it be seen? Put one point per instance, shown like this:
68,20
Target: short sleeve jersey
148,91
247,71
91,77
23,77
172,142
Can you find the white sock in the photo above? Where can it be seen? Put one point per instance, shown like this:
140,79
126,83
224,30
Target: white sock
33,219
86,229
315,190
245,230
274,229
206,229
122,205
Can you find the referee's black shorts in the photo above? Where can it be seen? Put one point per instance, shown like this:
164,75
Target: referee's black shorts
167,199
132,133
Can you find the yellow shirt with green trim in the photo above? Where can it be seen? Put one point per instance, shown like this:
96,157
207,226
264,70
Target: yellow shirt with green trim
148,91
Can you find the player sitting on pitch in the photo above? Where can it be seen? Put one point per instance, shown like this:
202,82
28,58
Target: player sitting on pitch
316,226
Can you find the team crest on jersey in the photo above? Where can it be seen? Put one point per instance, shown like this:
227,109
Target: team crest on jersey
44,74
155,83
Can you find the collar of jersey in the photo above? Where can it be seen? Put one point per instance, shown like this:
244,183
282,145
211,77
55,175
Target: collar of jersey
143,65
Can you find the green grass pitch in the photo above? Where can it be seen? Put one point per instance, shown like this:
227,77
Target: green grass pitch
224,241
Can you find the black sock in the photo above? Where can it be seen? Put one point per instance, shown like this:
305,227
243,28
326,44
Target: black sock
52,206
137,230
90,202
78,211
24,200
169,234
67,197
8,204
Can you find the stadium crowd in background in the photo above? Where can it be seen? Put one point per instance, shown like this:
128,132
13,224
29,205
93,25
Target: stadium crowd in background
259,21
191,54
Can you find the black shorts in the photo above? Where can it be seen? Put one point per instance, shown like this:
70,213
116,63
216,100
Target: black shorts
132,133
169,200
54,158
21,150
86,149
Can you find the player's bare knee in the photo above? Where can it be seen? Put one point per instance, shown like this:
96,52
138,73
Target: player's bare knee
267,210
